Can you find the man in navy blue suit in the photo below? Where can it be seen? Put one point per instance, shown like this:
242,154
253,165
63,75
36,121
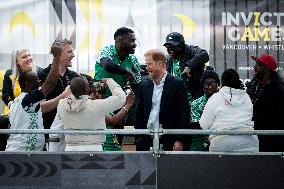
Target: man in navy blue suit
162,100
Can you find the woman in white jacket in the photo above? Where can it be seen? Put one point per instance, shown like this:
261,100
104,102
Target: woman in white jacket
230,109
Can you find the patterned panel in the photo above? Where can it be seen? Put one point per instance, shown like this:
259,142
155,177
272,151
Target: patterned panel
109,170
34,170
117,171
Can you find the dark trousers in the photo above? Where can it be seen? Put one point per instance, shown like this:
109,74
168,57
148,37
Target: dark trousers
143,143
4,123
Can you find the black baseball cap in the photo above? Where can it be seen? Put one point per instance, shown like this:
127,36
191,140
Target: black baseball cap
174,38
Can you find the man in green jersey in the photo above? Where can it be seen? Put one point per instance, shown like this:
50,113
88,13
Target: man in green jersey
118,61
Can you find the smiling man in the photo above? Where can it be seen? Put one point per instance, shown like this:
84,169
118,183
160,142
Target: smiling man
186,62
162,100
65,77
118,61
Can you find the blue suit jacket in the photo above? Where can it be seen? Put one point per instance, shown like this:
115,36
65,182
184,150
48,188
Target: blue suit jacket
174,107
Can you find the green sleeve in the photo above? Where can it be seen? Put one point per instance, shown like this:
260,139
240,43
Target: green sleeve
136,70
100,72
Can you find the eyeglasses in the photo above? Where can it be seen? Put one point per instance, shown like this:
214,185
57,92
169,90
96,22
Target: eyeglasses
212,84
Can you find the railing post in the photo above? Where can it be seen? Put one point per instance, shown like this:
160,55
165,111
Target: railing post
156,130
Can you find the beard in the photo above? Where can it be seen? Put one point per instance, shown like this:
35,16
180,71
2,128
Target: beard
259,75
130,49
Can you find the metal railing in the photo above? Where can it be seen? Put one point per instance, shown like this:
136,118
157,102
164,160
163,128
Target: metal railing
155,131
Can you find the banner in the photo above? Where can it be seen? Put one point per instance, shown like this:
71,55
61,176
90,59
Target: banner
90,24
230,30
241,29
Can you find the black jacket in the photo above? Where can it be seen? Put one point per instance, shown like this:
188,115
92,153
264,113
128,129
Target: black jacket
58,89
7,91
174,107
268,112
195,58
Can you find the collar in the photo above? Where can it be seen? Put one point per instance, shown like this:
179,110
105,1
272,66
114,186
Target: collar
175,61
49,67
162,80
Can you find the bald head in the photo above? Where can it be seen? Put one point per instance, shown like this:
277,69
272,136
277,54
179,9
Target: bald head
79,86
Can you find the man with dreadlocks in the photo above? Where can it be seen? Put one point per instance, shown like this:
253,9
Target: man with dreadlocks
229,109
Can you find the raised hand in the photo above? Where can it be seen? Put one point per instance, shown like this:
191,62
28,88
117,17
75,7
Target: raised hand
56,49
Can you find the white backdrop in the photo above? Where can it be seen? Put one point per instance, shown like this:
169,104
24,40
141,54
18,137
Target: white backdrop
35,24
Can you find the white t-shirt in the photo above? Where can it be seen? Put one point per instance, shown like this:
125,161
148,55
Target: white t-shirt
25,113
